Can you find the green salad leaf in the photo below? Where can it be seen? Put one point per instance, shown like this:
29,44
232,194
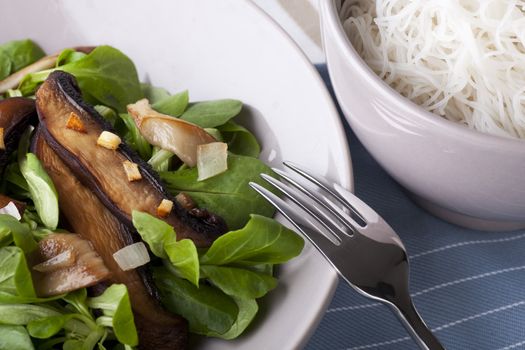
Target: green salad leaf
248,308
154,94
105,76
5,65
207,309
15,277
14,338
239,282
240,140
261,241
174,105
228,194
40,185
116,309
21,53
184,257
153,231
22,314
11,230
69,56
160,159
210,114
134,139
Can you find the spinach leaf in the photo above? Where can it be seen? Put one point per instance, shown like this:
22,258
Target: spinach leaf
173,105
21,53
105,76
262,240
47,327
15,277
227,194
116,308
209,114
14,338
207,309
239,282
240,140
134,139
154,94
247,310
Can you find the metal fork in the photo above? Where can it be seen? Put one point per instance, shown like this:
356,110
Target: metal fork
358,243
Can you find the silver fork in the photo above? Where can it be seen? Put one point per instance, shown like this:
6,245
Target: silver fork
358,243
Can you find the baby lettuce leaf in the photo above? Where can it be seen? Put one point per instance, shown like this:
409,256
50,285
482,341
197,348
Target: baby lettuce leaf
248,308
69,56
206,308
240,141
47,327
239,282
153,231
11,230
41,188
261,241
173,105
5,65
116,308
154,94
15,277
228,194
105,76
134,139
22,314
184,257
14,338
21,53
162,241
210,114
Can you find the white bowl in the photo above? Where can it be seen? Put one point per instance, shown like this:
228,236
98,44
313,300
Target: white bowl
220,49
463,176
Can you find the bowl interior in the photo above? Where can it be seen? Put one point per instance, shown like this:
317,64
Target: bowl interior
225,49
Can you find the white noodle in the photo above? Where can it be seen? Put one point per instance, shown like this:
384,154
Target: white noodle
461,59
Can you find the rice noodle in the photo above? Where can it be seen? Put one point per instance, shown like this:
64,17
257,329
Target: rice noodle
461,59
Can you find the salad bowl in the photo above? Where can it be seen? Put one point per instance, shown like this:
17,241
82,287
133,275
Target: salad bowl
227,49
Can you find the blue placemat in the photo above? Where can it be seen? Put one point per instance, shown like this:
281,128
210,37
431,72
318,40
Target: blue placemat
469,286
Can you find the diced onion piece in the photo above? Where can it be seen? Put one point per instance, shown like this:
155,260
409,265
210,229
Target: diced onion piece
109,140
75,123
132,171
2,142
212,159
62,260
11,209
172,134
132,256
164,208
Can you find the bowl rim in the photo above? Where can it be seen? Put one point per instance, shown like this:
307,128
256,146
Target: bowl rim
331,21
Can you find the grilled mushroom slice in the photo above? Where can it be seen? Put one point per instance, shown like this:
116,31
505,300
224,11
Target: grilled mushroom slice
15,114
101,168
65,262
158,329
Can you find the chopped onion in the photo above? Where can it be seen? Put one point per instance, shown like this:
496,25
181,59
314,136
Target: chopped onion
132,256
11,209
212,159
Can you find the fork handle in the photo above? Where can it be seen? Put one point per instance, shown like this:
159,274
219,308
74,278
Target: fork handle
417,328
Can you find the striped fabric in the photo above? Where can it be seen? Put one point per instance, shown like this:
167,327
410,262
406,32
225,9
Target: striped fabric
468,285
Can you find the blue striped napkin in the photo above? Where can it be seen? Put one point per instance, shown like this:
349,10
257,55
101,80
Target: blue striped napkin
469,286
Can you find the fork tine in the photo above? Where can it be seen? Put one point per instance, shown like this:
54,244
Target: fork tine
315,212
320,241
368,214
324,184
327,204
